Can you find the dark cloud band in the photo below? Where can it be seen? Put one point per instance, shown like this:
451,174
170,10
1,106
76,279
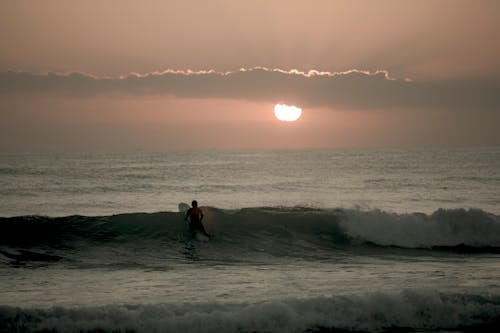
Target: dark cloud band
349,90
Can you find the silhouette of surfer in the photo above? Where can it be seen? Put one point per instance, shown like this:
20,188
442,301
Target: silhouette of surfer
194,216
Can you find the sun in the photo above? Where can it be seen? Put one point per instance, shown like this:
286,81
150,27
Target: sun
287,112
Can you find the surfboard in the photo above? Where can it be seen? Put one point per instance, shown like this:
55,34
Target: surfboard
183,207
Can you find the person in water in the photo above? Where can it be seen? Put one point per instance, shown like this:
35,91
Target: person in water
194,216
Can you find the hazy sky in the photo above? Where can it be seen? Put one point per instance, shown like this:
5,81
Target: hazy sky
120,75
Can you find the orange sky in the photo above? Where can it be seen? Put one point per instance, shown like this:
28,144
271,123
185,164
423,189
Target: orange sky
449,51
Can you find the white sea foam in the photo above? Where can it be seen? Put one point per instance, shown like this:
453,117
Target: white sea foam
472,227
373,312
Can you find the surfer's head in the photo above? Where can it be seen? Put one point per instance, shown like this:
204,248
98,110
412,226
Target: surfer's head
194,203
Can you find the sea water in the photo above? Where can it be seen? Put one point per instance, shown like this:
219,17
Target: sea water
302,241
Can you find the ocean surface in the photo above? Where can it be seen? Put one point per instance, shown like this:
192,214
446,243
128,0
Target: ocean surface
387,240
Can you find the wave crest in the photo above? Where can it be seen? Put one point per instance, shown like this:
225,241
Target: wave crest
443,228
286,227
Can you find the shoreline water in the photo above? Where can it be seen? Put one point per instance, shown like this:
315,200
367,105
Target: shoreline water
322,241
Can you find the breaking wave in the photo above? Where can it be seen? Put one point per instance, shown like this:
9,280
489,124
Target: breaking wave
403,312
288,228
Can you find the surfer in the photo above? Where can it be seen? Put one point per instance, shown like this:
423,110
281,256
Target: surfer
194,216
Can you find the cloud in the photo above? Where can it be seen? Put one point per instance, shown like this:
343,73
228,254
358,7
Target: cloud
353,89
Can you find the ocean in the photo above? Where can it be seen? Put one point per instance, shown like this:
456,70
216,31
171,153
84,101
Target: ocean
340,240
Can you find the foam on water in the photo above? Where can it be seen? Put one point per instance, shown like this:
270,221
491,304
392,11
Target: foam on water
444,227
376,312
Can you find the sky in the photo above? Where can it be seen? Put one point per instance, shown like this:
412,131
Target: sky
168,75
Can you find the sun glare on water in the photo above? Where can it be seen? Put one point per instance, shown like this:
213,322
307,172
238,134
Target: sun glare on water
286,112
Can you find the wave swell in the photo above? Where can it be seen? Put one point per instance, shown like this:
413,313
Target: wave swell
466,229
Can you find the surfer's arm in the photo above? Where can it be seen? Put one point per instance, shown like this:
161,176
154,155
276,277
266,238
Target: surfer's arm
187,214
